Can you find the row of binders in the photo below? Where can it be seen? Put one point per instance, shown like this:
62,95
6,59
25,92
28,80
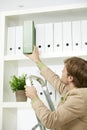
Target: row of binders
49,37
62,36
21,39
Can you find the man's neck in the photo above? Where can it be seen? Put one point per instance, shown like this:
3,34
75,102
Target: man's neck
71,86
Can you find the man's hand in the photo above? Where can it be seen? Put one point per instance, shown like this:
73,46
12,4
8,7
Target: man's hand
35,55
31,92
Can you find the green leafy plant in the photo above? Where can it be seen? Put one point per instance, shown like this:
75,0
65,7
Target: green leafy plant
17,83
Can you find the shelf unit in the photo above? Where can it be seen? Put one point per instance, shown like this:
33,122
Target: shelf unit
18,64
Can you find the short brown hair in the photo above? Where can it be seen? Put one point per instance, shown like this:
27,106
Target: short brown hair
77,67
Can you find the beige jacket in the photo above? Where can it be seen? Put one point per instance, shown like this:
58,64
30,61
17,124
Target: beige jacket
71,112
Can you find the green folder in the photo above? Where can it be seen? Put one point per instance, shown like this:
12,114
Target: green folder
29,37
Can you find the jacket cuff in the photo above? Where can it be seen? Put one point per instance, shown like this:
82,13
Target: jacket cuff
40,65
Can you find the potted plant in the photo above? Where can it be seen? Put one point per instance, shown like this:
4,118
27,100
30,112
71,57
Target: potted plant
17,85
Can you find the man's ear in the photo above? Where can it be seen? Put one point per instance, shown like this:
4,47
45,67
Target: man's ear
70,78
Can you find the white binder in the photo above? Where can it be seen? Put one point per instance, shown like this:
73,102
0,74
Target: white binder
57,34
52,92
76,35
67,43
19,39
40,35
84,34
58,71
11,41
51,89
48,37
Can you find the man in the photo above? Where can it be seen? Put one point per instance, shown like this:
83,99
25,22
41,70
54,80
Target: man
71,112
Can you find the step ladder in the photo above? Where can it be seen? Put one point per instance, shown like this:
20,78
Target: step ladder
29,81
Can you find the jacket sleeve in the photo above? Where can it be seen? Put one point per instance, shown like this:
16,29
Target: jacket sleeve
71,109
53,79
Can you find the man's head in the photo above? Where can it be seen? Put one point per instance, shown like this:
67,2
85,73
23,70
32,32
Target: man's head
76,71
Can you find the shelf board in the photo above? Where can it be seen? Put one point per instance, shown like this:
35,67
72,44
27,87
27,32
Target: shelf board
15,57
47,55
17,105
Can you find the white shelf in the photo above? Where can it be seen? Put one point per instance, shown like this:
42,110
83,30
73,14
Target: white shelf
46,55
55,58
15,57
19,63
17,105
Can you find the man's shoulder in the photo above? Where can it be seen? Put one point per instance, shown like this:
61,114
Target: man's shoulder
80,93
78,90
